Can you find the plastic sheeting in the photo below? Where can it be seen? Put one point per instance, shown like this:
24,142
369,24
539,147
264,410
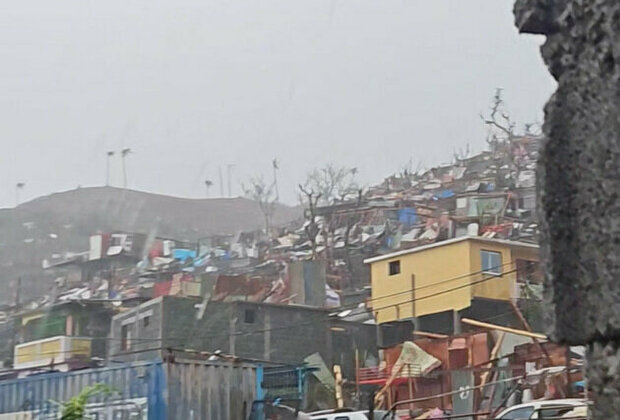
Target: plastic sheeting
414,361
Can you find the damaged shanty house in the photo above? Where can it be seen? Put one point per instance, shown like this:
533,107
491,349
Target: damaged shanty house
112,265
319,262
63,336
490,194
474,373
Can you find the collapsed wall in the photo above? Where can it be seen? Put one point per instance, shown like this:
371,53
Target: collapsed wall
579,182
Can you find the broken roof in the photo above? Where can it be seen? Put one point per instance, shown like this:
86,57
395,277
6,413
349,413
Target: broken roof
449,242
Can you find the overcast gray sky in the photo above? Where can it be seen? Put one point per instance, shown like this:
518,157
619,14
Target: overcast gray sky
191,85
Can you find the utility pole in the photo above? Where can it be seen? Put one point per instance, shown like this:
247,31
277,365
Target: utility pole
276,166
124,154
219,170
107,169
229,172
18,292
18,187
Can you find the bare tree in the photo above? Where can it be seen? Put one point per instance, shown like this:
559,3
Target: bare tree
265,195
311,227
332,183
276,166
408,170
501,127
352,219
502,135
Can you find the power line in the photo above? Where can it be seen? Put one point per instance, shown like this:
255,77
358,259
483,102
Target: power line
342,308
447,291
244,333
328,318
135,351
241,333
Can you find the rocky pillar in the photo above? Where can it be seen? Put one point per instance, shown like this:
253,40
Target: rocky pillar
579,182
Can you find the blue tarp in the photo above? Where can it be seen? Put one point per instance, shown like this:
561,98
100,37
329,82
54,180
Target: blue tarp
407,216
445,194
183,254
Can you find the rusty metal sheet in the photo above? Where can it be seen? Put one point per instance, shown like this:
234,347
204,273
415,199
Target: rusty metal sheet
436,348
479,348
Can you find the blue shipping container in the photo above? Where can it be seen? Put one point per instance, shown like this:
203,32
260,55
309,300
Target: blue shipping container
149,391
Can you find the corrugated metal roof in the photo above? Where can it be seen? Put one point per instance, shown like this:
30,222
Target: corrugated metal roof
449,242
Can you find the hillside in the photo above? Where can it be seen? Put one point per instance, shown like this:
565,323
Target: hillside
63,222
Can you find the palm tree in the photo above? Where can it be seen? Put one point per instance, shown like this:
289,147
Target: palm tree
107,176
124,154
18,187
208,185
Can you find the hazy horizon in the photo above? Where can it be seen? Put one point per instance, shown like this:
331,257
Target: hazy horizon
194,86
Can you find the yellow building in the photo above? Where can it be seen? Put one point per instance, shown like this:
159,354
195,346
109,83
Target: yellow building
448,275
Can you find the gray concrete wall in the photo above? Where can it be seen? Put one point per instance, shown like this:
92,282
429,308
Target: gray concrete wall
282,333
183,329
144,323
579,182
264,332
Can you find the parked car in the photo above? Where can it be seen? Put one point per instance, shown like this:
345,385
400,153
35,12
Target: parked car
277,410
568,408
345,414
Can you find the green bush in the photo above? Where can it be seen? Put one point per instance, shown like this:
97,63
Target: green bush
75,408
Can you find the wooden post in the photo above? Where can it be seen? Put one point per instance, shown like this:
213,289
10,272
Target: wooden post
378,330
357,374
569,390
527,326
456,321
338,376
410,385
485,376
493,389
267,336
385,389
231,330
413,295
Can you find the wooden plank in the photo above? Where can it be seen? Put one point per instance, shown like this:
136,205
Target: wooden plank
485,376
430,335
379,397
338,377
496,347
486,325
527,326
